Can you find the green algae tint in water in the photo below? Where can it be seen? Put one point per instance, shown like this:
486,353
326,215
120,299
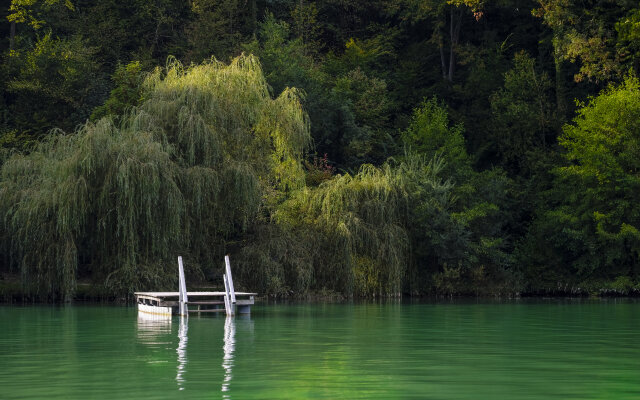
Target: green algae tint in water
574,349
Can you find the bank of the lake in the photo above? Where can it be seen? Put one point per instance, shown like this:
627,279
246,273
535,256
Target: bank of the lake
12,291
517,349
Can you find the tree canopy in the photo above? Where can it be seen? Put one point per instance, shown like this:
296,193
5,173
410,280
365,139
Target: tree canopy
333,147
186,169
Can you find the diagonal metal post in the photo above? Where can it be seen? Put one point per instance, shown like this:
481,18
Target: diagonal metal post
230,279
228,306
182,289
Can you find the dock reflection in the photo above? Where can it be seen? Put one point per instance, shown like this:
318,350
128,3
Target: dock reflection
244,325
182,351
154,330
229,348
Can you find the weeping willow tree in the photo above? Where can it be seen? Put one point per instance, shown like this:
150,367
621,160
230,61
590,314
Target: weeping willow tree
183,173
350,233
363,216
346,235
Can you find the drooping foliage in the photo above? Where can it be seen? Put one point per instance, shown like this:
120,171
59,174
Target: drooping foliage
183,172
398,228
358,222
351,234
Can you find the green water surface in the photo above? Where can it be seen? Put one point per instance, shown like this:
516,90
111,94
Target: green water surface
553,349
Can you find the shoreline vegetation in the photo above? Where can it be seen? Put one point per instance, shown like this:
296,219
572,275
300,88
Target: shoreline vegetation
13,292
387,149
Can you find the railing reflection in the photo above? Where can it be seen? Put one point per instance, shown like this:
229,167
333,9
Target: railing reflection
182,351
156,332
227,360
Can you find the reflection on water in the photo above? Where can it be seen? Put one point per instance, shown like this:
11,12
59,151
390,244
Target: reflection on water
227,360
508,350
153,329
182,351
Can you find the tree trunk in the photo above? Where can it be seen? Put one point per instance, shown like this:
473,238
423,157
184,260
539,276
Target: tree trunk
301,16
540,96
444,65
561,88
454,33
254,16
156,37
232,10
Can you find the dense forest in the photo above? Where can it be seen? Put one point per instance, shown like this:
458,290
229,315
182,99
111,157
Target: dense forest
359,148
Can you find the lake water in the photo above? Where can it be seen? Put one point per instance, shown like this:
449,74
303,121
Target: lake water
543,349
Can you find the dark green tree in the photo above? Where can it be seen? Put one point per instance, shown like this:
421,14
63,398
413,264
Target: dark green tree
588,230
53,84
523,117
127,93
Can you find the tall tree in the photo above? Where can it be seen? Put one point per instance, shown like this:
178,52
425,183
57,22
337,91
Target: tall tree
523,117
589,229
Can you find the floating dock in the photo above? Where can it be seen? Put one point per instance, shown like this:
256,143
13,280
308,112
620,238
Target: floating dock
168,303
183,302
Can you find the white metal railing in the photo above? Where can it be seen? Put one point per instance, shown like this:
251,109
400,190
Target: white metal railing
230,293
182,297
